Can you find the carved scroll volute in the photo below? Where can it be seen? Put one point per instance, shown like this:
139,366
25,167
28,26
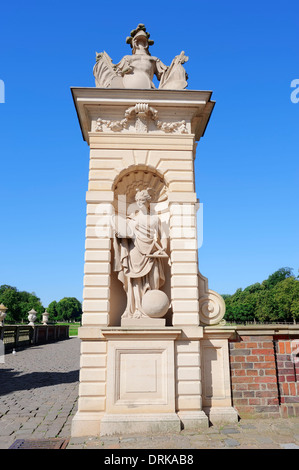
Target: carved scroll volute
211,304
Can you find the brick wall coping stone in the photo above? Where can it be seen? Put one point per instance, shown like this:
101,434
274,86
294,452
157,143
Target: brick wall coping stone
273,329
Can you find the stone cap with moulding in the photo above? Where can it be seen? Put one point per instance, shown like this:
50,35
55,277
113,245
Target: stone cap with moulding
193,105
233,331
102,333
140,333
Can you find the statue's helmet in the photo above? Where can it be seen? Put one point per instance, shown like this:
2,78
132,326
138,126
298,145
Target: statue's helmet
139,32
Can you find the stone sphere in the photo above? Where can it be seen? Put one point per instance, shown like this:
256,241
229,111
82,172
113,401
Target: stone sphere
155,303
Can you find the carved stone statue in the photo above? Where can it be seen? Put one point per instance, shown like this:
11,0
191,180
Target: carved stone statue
137,70
139,249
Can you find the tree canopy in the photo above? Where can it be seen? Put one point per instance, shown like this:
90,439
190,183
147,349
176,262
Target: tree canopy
67,309
19,303
275,299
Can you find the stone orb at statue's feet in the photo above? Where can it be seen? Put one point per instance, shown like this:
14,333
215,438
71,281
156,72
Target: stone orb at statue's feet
155,303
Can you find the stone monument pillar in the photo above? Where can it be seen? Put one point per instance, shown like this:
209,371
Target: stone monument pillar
154,356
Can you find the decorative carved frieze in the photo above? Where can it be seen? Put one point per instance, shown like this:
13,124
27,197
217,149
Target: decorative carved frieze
178,127
143,114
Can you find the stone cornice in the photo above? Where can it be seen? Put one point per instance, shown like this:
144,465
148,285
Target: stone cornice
194,105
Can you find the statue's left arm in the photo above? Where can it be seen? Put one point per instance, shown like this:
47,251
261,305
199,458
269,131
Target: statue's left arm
160,69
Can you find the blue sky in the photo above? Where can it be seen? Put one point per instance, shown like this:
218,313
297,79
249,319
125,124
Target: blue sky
247,167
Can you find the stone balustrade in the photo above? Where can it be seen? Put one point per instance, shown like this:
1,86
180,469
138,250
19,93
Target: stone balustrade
19,336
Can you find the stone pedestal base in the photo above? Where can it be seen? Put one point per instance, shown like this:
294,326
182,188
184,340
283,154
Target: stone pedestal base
225,415
148,379
140,423
194,420
86,424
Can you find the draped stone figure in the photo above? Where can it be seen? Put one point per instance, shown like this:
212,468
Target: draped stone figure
137,70
139,249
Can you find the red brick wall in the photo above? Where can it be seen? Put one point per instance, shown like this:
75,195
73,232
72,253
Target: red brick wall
288,375
254,376
265,375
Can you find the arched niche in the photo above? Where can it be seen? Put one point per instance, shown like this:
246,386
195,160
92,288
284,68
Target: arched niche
125,186
140,177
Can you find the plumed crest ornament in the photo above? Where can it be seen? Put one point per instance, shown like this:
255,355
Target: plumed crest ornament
141,29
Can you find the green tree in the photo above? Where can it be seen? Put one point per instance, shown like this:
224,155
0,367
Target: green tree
9,297
286,295
275,299
277,276
266,308
253,288
68,309
19,303
52,310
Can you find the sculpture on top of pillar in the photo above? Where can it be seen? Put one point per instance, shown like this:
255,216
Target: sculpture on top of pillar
137,70
139,249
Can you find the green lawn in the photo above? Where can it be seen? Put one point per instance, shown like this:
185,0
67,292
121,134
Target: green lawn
73,328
